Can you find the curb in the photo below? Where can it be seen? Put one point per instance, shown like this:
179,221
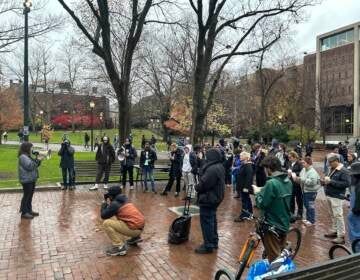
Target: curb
38,189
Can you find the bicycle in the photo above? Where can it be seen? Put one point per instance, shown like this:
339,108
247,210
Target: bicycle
248,251
339,250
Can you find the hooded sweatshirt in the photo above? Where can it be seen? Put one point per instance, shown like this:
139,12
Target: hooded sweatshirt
274,201
212,180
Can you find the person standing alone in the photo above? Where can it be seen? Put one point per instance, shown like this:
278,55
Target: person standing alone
28,175
105,157
211,188
127,165
67,165
175,170
147,164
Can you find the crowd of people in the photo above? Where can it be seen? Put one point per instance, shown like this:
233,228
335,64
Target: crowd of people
282,183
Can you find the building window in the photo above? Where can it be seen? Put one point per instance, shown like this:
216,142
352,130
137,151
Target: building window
339,120
337,40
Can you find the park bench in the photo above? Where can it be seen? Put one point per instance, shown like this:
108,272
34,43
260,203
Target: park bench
85,171
344,268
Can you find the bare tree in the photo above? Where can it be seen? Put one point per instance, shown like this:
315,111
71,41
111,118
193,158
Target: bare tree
73,64
225,30
120,26
12,28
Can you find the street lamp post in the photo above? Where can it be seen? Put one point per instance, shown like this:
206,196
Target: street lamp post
101,122
27,5
41,124
92,106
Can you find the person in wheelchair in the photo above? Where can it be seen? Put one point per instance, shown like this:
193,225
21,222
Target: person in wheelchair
123,223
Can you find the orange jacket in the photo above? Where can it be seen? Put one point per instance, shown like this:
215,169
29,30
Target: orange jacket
131,216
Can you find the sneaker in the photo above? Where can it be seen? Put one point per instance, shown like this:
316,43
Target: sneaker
134,240
117,251
122,187
330,235
163,193
203,250
95,187
35,214
131,187
338,240
27,216
63,188
105,187
307,223
154,191
176,194
145,190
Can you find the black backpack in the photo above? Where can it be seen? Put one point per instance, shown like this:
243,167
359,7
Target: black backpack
180,228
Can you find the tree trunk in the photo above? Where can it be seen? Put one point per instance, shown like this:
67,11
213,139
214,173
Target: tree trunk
262,117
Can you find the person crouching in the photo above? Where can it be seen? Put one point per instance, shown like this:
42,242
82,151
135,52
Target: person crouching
123,223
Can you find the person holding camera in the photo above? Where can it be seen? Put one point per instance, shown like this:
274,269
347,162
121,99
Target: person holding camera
67,165
147,163
273,200
105,157
126,229
28,175
127,163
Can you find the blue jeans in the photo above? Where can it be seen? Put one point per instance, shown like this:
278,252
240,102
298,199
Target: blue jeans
208,224
246,204
354,228
148,172
309,203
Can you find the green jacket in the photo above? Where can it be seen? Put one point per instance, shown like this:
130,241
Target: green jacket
274,200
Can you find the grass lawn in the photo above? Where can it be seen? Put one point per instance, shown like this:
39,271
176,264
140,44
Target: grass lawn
49,170
77,138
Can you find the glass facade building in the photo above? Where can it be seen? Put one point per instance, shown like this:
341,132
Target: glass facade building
337,40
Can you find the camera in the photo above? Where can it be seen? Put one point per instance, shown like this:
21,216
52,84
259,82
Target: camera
106,196
35,152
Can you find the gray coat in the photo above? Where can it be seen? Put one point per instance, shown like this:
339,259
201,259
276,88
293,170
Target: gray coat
28,169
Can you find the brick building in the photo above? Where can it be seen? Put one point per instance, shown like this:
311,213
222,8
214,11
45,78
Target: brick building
332,82
60,102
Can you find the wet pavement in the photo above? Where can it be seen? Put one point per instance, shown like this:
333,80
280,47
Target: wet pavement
66,241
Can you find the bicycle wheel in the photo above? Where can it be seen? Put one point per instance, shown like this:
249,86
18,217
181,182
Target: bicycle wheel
293,241
355,246
337,251
224,274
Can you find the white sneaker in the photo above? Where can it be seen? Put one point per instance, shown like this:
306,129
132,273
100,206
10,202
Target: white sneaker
131,187
106,186
95,187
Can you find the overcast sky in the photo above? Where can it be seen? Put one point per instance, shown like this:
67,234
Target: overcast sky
330,15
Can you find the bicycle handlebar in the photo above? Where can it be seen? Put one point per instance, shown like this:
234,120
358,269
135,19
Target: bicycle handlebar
262,222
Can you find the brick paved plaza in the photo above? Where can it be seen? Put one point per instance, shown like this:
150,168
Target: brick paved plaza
66,240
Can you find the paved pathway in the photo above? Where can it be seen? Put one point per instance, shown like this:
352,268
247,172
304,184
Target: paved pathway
66,241
78,148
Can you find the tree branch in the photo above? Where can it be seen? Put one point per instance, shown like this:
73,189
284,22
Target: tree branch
97,48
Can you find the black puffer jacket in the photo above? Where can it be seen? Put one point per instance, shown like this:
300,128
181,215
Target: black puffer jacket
211,185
